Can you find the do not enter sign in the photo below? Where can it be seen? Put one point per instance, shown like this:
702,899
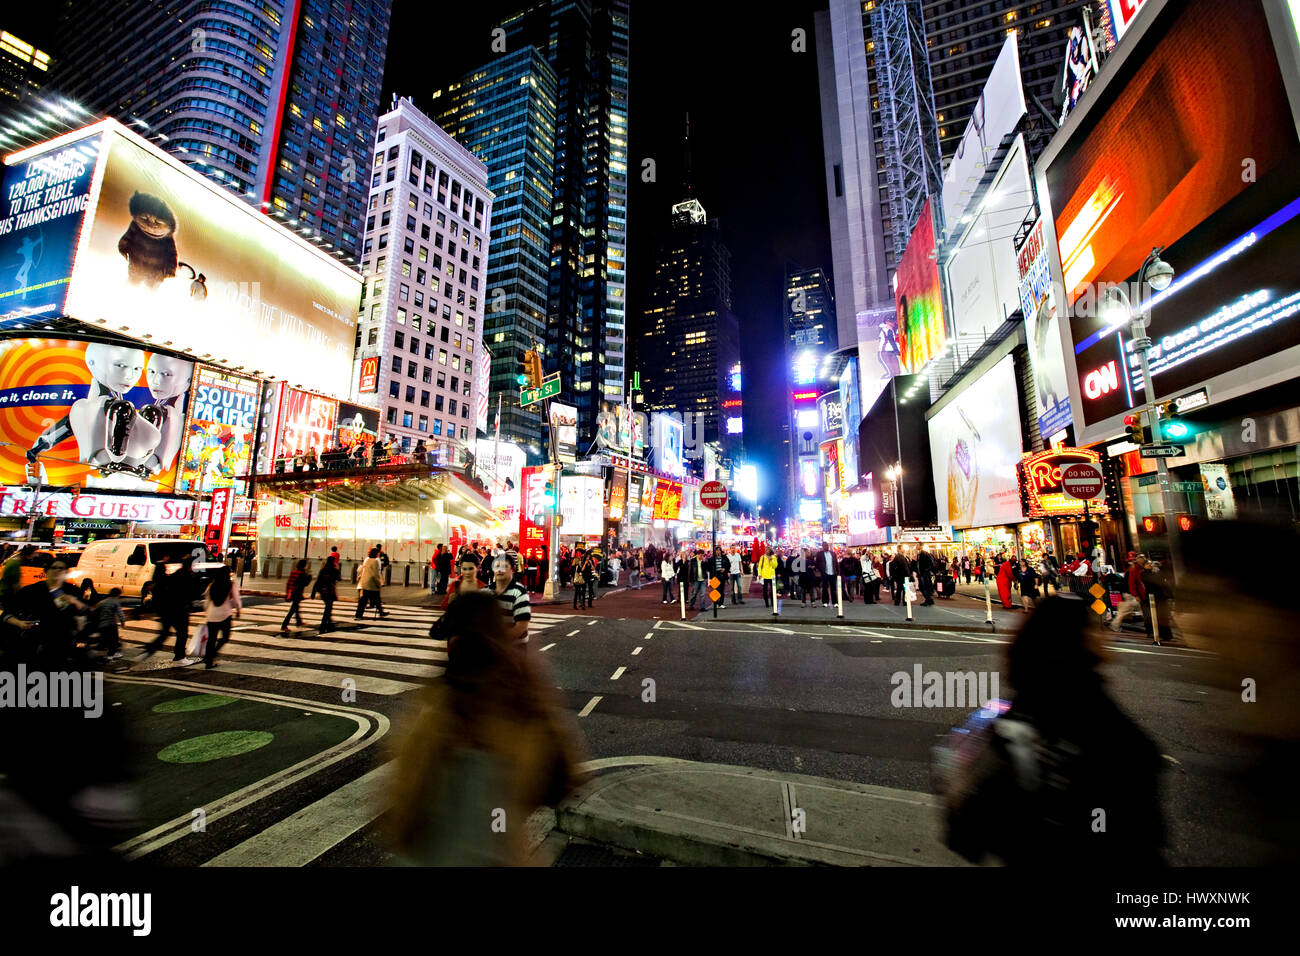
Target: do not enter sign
713,495
1082,481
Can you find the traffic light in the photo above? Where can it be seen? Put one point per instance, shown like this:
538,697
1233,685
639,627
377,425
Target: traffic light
1154,524
1134,431
532,369
1172,429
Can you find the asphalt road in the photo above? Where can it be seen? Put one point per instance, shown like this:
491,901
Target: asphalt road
812,699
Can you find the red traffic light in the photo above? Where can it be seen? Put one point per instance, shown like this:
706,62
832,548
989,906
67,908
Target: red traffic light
1130,419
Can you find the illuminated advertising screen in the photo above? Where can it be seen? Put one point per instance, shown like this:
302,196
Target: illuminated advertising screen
91,414
667,434
220,432
620,429
849,392
45,198
975,445
564,425
878,348
918,301
1040,478
983,278
306,421
168,254
532,511
667,500
1038,303
582,505
357,424
830,408
1194,152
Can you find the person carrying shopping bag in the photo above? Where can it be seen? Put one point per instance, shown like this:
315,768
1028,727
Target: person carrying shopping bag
221,602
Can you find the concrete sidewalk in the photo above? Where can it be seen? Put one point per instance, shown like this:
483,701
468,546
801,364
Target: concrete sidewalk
705,814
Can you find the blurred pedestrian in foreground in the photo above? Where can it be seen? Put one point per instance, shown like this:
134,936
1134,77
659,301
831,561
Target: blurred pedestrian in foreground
1249,620
489,745
1066,778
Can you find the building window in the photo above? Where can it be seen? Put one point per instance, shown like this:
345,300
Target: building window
392,416
442,356
428,375
394,390
399,339
437,403
406,419
401,318
437,427
424,399
373,337
397,364
451,407
410,369
410,394
404,293
424,423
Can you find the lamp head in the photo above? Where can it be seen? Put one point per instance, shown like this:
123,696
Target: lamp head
1159,273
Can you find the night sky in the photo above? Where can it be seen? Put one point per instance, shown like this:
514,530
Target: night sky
756,148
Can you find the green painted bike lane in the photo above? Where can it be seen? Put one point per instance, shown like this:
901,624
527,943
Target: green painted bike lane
192,748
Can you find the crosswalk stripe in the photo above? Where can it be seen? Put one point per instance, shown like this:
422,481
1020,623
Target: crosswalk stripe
306,675
237,649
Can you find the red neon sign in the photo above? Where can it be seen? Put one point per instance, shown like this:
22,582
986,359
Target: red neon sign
732,403
805,396
1040,479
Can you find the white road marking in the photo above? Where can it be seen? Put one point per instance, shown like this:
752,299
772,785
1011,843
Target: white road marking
306,675
618,673
548,647
315,829
649,635
591,705
636,651
656,627
570,634
589,623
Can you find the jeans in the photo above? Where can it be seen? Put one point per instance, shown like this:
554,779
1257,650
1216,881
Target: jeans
850,586
697,594
735,590
668,590
218,631
768,596
828,582
327,619
896,586
580,598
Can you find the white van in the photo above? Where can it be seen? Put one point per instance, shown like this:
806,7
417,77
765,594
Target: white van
128,563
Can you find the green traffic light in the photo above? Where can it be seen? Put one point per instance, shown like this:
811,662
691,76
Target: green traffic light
1176,430
521,379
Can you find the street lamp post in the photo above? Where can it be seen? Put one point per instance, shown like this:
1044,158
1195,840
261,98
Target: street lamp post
1157,274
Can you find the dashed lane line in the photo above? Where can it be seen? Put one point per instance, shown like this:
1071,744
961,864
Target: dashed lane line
548,647
618,673
591,705
636,651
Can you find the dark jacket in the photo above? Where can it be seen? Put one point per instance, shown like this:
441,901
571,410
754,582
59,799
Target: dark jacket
899,568
296,585
327,581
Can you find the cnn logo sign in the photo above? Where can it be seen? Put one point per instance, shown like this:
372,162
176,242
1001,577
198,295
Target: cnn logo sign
1101,381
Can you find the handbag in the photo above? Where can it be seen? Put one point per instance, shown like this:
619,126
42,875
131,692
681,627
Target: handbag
199,641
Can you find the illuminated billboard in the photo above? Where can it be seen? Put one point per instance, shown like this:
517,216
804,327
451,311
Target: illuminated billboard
667,442
1196,154
667,504
45,198
369,378
582,505
1040,476
306,421
975,445
358,424
1038,304
90,413
918,301
220,432
166,255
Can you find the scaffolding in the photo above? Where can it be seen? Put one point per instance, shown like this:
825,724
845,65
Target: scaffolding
910,131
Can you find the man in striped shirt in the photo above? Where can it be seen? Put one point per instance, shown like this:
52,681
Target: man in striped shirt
513,597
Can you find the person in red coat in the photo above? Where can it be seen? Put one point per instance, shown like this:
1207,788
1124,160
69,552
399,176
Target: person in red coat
1005,576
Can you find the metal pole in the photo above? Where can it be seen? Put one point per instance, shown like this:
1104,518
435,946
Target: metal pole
1142,344
713,559
306,504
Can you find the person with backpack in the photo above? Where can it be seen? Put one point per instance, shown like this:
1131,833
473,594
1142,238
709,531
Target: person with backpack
221,602
294,590
327,587
1030,794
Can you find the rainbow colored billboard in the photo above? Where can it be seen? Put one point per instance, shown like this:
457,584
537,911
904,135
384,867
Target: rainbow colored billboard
917,298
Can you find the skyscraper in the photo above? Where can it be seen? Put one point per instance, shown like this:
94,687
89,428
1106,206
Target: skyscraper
585,42
276,100
23,69
504,113
425,265
690,336
881,141
965,37
810,338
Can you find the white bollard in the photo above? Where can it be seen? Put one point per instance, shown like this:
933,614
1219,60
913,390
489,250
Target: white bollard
839,596
988,606
907,597
681,593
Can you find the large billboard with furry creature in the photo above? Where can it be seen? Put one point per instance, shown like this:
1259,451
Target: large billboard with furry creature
170,258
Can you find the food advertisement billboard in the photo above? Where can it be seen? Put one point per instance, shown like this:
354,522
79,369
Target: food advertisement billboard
918,300
90,413
220,432
1189,145
975,445
45,199
170,256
